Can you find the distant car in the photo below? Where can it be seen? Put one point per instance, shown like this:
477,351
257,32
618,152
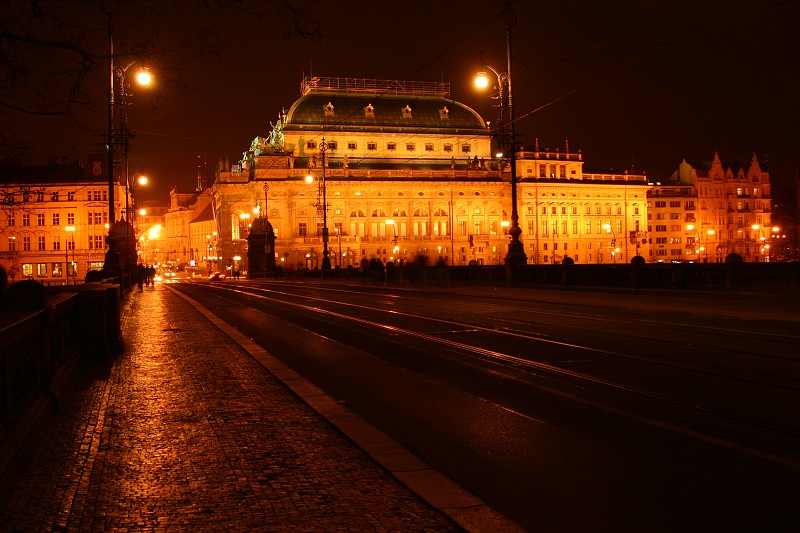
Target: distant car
216,276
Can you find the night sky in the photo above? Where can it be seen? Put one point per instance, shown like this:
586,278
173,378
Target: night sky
635,84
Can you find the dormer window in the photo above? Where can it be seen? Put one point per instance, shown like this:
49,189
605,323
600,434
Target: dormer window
407,111
369,111
329,109
444,113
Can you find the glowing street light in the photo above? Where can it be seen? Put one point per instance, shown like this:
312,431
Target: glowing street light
507,137
71,231
322,205
615,249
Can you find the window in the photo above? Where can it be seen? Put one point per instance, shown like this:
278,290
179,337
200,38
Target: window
56,268
40,197
40,219
429,147
26,219
27,270
661,204
40,244
12,244
97,196
70,244
302,229
410,147
70,219
70,196
26,244
466,148
372,146
41,270
391,146
56,245
448,148
542,171
54,197
311,145
56,219
11,221
562,171
675,204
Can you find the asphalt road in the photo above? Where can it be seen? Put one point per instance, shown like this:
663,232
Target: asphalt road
586,414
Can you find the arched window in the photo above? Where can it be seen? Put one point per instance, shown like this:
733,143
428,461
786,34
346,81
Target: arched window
357,223
379,213
440,226
420,222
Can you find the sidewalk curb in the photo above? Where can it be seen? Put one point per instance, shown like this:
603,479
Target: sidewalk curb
465,509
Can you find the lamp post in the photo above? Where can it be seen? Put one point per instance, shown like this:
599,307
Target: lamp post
762,238
709,234
614,249
323,206
71,231
395,247
507,137
114,75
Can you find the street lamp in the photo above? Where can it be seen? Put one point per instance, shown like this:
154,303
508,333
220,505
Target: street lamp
507,137
709,234
614,249
71,231
390,222
116,78
322,206
763,238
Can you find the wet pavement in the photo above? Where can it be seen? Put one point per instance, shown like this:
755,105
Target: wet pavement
187,430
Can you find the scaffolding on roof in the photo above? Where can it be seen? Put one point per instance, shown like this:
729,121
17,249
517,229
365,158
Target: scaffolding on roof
370,86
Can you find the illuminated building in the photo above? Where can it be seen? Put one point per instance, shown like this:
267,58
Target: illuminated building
406,152
38,204
704,212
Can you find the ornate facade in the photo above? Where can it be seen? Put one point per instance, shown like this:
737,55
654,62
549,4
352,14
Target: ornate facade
400,170
705,212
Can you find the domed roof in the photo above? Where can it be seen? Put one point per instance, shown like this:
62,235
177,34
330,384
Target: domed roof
333,110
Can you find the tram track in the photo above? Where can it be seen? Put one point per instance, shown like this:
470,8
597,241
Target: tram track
486,355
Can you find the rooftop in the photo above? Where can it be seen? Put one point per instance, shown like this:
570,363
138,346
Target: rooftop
370,86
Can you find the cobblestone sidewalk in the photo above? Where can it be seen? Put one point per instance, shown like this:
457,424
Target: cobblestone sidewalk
185,431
